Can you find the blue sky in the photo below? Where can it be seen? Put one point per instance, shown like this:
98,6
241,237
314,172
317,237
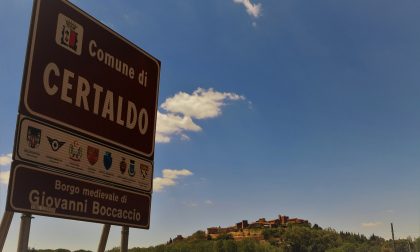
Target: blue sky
304,108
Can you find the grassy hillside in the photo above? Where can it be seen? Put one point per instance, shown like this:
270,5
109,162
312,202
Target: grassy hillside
294,238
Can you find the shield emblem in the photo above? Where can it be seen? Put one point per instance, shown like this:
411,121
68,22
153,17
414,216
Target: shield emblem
92,155
107,160
73,40
69,37
123,166
131,168
33,137
144,169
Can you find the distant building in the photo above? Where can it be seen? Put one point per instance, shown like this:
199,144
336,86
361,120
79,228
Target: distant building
213,230
242,225
274,223
282,220
297,221
255,225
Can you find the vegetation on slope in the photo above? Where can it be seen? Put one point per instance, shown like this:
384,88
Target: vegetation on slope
294,238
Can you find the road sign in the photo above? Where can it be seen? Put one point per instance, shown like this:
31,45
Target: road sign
84,144
82,76
43,192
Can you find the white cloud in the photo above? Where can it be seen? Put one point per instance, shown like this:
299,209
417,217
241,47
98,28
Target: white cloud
6,159
208,202
253,10
169,178
169,124
201,104
173,174
4,177
371,224
162,138
182,108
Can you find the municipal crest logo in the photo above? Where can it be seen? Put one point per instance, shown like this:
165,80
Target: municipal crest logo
75,151
33,137
55,144
69,34
123,166
107,160
144,169
92,155
131,168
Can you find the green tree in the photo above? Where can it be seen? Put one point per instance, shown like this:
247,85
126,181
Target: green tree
225,237
230,246
218,246
199,235
246,245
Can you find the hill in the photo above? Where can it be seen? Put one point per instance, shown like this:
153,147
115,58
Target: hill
290,238
293,238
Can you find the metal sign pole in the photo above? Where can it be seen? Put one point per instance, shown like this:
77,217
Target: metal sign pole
393,240
104,238
25,227
124,239
4,227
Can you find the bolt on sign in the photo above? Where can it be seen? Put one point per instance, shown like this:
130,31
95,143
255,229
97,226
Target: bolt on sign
88,108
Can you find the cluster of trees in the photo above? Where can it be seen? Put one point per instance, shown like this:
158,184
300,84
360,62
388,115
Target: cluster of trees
295,238
304,238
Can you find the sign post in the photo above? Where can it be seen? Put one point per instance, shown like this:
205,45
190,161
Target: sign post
25,227
104,238
84,142
4,227
124,239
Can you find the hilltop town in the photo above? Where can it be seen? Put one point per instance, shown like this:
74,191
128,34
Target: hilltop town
280,234
244,229
253,230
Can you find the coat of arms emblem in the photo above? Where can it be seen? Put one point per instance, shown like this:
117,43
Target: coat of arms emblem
144,169
123,166
107,160
92,155
131,168
75,151
33,137
69,34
